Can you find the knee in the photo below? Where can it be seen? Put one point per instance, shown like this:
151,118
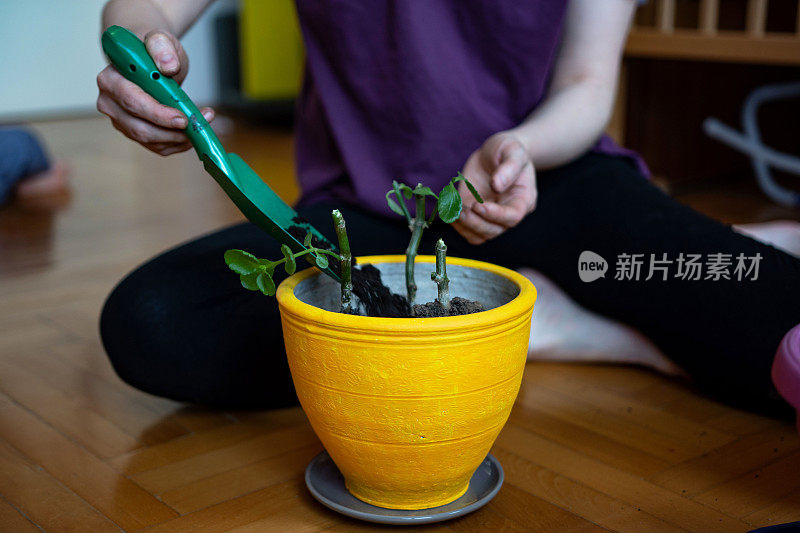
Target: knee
196,336
143,327
131,329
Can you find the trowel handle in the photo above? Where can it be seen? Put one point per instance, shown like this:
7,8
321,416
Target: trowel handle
129,56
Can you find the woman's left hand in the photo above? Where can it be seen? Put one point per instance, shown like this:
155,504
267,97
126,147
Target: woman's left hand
503,173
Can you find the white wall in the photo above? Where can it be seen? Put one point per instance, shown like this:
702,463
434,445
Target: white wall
50,55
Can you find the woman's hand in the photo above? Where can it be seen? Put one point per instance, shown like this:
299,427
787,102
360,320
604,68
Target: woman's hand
504,175
137,114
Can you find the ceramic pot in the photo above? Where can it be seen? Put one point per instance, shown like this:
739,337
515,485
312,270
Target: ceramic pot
408,407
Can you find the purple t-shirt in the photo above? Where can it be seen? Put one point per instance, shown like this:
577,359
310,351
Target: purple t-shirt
408,89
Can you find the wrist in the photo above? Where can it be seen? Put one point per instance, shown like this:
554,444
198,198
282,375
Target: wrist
527,139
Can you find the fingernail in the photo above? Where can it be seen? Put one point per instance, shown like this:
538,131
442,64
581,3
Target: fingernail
167,59
208,114
178,122
479,208
159,42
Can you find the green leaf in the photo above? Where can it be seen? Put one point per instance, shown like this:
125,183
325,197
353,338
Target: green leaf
322,261
393,205
249,281
241,262
401,189
449,204
474,192
290,264
265,284
307,240
421,190
470,186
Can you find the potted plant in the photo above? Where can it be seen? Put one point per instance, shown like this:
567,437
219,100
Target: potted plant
407,408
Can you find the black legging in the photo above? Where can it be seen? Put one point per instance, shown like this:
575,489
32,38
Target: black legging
181,326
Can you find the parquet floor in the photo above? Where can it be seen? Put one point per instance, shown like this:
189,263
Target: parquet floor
586,448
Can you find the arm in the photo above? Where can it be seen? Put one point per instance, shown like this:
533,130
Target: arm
581,96
132,111
144,16
565,125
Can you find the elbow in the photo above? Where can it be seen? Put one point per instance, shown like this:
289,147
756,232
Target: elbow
597,94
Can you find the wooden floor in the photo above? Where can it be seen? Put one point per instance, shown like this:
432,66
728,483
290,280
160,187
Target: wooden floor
586,448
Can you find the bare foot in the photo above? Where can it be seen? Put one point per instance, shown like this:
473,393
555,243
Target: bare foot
51,182
782,234
562,330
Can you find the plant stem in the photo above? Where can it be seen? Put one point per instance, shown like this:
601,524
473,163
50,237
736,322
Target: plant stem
320,251
418,225
310,250
401,202
440,276
345,260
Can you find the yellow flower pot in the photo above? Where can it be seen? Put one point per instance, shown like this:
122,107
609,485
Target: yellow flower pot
408,408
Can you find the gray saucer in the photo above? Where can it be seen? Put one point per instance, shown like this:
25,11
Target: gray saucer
326,484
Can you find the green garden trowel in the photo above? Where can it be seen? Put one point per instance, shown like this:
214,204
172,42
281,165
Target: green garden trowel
251,195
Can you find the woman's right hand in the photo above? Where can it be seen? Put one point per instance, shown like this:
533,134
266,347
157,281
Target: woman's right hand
138,115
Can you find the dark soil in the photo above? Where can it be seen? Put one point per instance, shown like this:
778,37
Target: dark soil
301,227
376,297
299,233
458,306
379,301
